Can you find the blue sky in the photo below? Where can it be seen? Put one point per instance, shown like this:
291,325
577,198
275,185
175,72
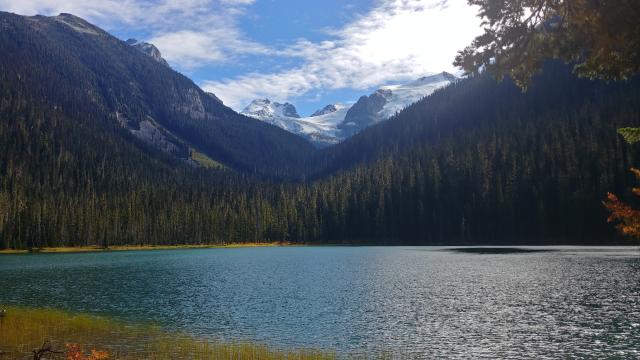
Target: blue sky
310,53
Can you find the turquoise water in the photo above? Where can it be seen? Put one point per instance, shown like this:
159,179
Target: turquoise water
412,302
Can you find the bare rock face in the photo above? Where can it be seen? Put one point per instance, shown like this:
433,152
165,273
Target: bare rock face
191,103
325,110
215,98
151,133
77,24
289,110
365,112
149,49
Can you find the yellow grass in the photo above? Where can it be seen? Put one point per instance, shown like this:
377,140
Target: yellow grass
205,161
139,248
22,330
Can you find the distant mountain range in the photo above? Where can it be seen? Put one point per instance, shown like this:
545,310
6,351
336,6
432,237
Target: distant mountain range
337,122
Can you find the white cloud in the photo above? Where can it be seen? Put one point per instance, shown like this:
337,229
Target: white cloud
144,12
398,40
191,49
89,9
238,2
189,33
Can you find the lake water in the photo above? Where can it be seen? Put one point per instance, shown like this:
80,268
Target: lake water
413,302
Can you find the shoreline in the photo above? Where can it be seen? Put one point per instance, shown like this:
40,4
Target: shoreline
119,248
123,248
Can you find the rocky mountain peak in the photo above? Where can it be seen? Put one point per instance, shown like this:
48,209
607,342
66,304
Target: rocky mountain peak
325,110
435,78
267,109
77,24
149,49
289,110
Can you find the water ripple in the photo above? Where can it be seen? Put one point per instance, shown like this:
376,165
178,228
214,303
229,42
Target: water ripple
408,302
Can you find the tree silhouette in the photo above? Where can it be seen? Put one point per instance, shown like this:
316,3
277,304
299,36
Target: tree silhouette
601,37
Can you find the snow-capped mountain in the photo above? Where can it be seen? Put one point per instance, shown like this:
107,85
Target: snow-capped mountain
407,94
320,129
334,123
284,115
265,109
389,100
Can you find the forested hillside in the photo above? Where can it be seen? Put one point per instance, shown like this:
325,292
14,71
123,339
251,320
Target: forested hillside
529,169
478,162
65,63
482,161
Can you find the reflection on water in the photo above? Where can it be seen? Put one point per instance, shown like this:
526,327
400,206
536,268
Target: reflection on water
498,250
414,302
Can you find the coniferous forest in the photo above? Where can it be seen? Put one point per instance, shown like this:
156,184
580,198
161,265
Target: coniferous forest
479,162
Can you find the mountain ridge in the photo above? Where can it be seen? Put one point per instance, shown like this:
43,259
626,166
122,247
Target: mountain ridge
329,125
149,49
139,94
325,110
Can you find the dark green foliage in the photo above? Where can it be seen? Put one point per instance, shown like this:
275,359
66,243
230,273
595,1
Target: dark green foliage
505,168
482,161
601,37
631,135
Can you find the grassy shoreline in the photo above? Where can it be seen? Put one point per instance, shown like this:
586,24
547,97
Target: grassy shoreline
85,249
22,330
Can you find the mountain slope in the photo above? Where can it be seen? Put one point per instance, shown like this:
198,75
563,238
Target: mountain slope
482,162
476,103
162,108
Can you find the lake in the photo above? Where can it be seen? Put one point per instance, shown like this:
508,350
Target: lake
414,302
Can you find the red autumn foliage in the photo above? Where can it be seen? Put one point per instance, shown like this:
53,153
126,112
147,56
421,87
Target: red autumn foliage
74,352
624,215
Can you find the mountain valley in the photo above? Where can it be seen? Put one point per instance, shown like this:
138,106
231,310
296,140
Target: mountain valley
102,143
